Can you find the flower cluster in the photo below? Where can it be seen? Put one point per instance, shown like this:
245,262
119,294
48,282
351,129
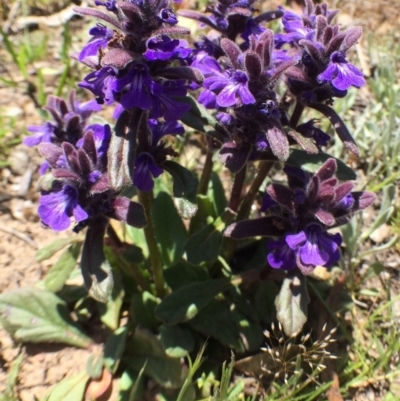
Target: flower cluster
69,120
322,71
77,185
140,66
301,214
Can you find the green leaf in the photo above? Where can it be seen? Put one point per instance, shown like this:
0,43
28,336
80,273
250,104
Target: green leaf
223,321
184,187
49,250
94,366
186,302
72,388
34,315
204,245
183,273
291,303
96,269
264,301
109,312
312,163
114,349
177,341
385,212
217,194
61,270
131,385
145,348
169,228
142,310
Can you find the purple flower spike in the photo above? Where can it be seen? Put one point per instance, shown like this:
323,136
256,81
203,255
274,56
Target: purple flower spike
56,208
341,73
101,36
141,85
145,170
315,247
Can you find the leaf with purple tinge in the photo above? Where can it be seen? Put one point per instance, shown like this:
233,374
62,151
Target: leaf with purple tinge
263,226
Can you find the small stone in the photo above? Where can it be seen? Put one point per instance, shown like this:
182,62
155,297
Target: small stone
380,234
19,161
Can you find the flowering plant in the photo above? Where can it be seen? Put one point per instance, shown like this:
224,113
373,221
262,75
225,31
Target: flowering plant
247,89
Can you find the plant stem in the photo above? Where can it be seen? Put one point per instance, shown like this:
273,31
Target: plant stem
248,200
297,112
146,199
207,169
245,207
236,193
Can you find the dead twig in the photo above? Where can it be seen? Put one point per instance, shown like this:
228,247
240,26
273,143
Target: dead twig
21,236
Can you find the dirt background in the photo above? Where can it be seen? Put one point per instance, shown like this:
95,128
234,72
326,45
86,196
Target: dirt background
20,231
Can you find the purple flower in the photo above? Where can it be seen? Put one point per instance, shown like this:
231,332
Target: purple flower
42,133
101,36
164,104
100,83
145,170
315,247
232,87
341,73
162,47
167,15
57,207
280,255
140,86
109,4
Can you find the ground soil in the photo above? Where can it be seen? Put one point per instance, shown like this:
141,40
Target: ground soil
21,233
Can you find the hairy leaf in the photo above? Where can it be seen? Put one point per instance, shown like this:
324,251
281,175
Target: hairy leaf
61,270
34,315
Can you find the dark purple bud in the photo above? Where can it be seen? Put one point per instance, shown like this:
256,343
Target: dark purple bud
327,170
84,163
335,43
252,63
232,51
351,38
312,49
321,24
